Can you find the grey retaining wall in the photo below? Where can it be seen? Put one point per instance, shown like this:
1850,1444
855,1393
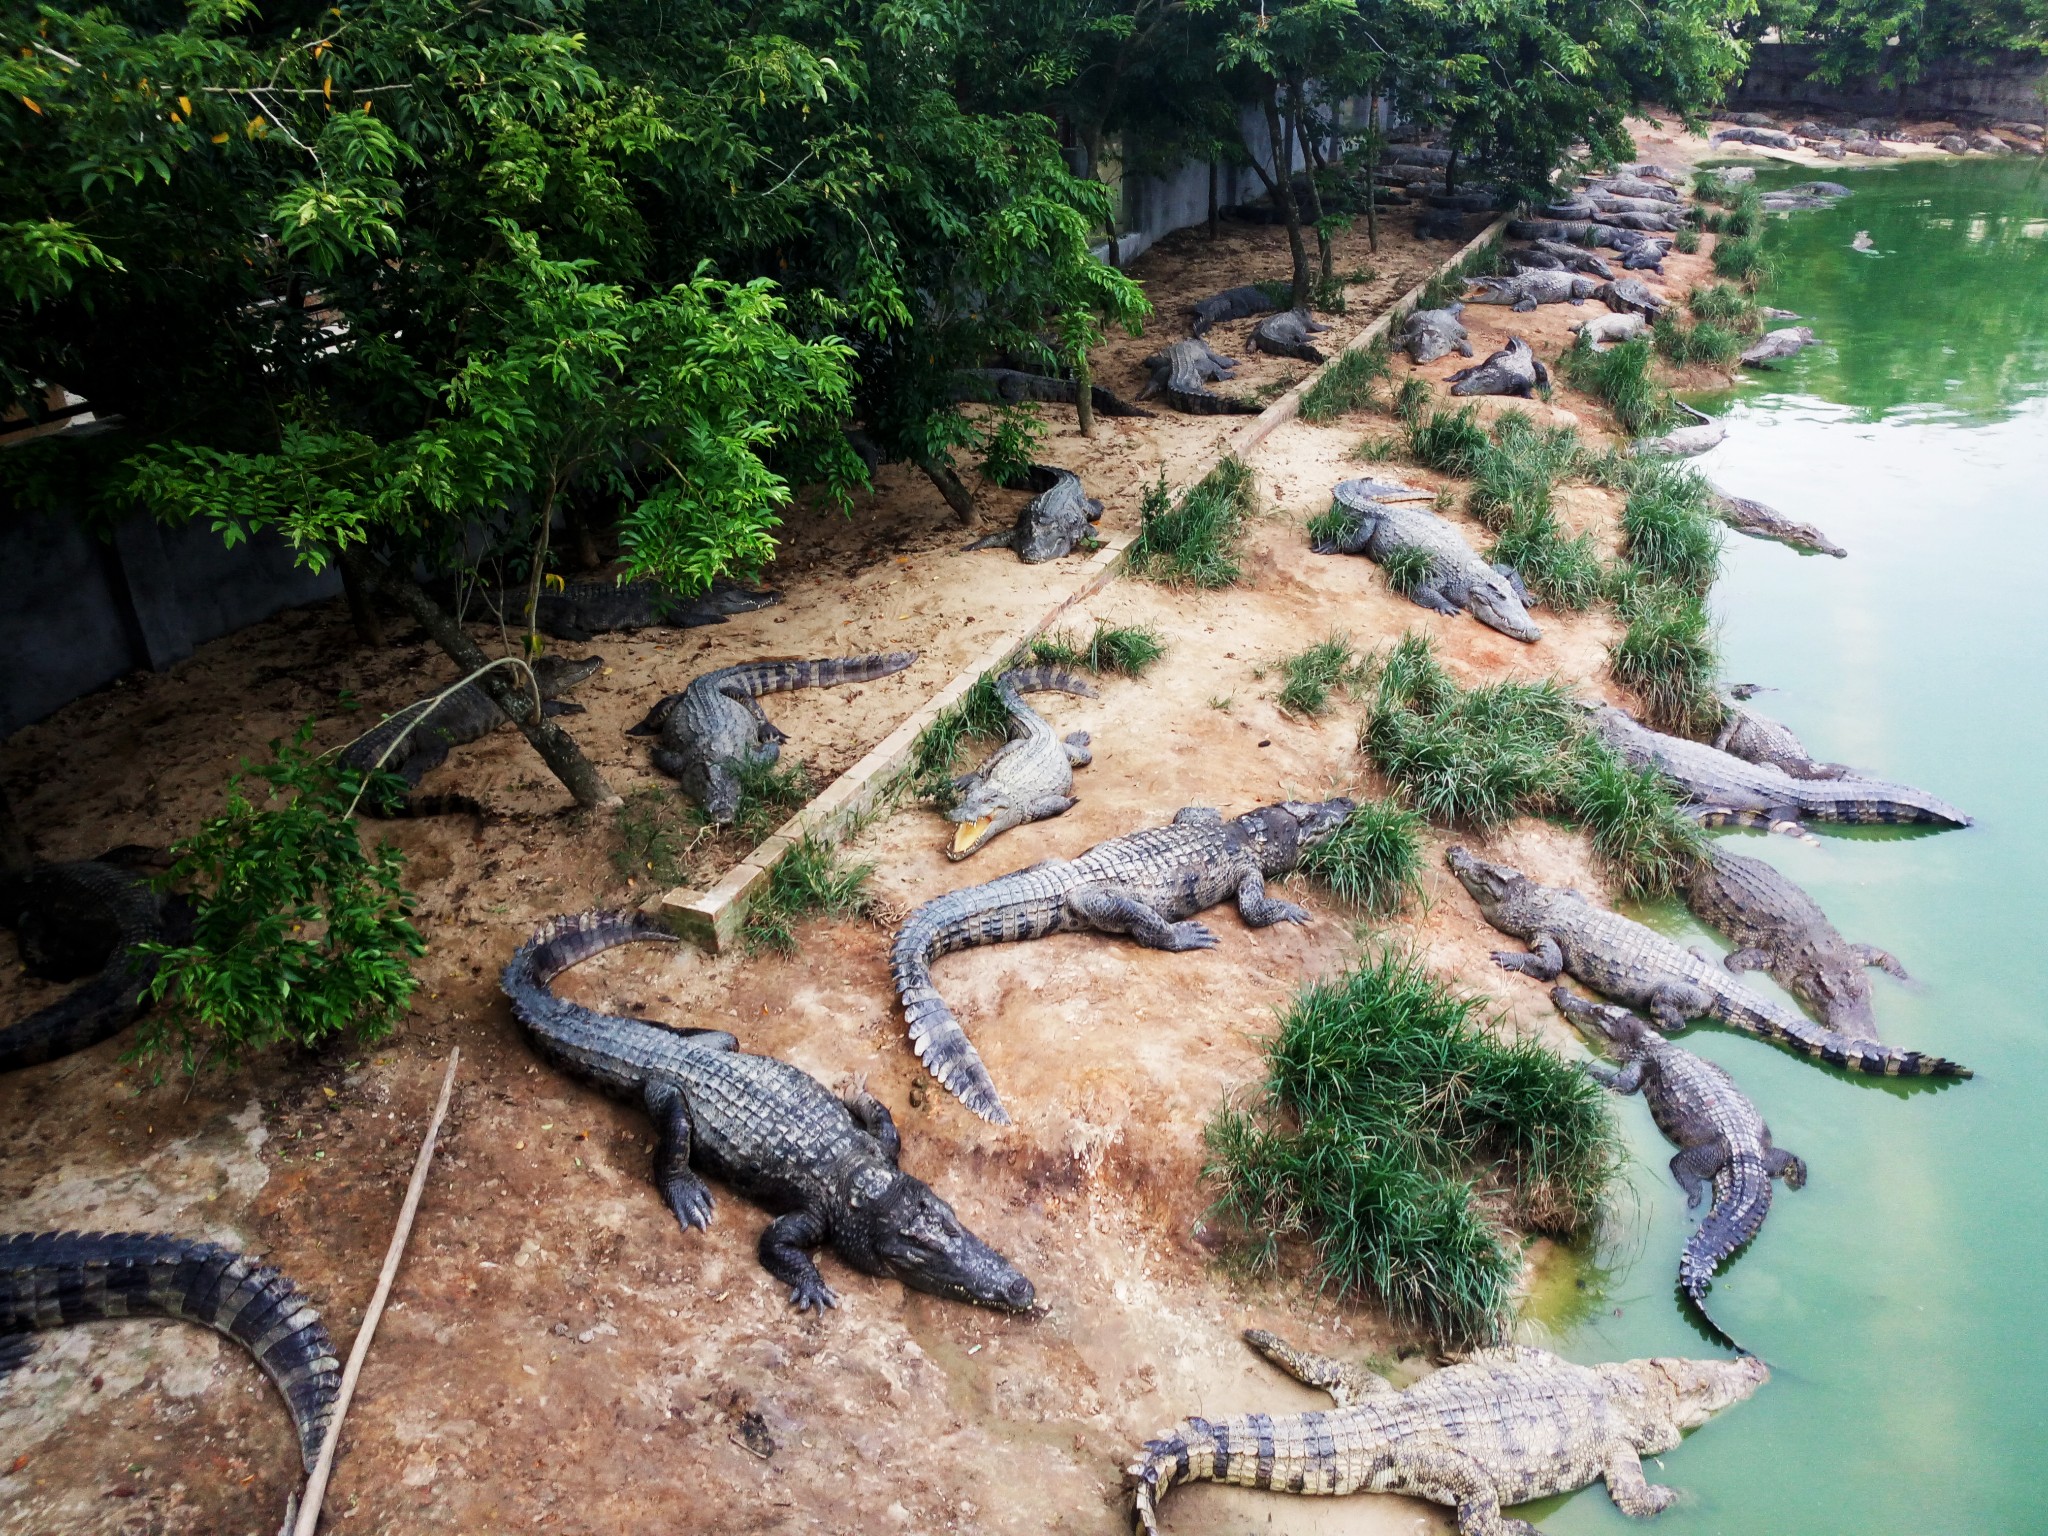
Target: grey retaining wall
2000,88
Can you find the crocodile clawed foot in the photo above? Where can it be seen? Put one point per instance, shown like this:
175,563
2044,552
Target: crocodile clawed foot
692,1205
812,1295
1182,936
1288,912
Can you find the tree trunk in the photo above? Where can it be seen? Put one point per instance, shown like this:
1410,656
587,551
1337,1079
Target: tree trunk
538,576
1451,170
556,746
1091,139
954,489
362,611
1212,199
1281,186
1084,392
1372,161
1304,131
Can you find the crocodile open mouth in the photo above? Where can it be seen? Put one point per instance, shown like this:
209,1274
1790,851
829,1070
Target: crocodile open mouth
969,836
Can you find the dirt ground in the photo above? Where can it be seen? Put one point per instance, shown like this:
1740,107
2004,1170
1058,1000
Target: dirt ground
559,1357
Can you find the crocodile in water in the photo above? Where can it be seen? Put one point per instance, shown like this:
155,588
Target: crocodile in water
1053,523
60,1279
1144,884
1759,739
1629,964
1181,373
586,608
1722,1141
1762,522
1031,776
716,725
1383,526
1501,1427
827,1167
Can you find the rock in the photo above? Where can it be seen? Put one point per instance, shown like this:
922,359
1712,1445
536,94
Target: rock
1953,143
1872,124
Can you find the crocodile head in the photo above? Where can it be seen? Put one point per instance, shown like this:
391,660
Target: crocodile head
558,674
1604,1023
1491,885
915,1237
1496,604
984,813
715,787
1282,833
1662,1397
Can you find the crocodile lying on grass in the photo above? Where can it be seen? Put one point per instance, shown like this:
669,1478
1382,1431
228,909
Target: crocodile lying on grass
1144,884
1513,370
61,1279
1453,579
73,920
1525,290
1630,964
1722,1141
1230,304
1015,386
1761,522
1054,523
1781,931
827,1168
1428,334
1719,786
1181,373
428,730
1501,1427
1288,335
1031,776
716,725
1759,739
585,608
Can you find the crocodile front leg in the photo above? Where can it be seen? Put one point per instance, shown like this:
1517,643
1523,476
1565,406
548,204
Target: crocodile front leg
1629,1079
1447,1476
1676,1004
1430,595
786,1254
1545,961
1109,911
1751,959
1260,910
873,1116
686,1194
1078,755
1633,1494
1694,1167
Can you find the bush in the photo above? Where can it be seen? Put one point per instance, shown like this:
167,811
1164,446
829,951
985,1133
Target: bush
1194,543
1311,676
1390,1113
1374,860
1349,383
1512,475
298,937
1667,528
1128,650
1667,656
1620,379
1449,442
1009,443
807,881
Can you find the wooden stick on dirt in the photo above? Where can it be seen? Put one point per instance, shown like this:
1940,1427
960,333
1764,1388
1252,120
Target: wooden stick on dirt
316,1485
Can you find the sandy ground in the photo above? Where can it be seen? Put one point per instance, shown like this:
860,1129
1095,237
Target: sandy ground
559,1357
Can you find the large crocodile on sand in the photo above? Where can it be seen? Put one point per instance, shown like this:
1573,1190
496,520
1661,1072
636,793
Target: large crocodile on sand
1030,777
1016,386
826,1167
1719,786
1722,1141
1290,335
1525,290
1428,334
61,1279
1144,884
1781,930
1054,523
73,920
1630,964
715,727
1513,370
1501,1427
1454,579
413,741
585,608
1230,304
1181,373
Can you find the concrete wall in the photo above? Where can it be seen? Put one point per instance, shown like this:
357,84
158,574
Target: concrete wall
76,613
2001,90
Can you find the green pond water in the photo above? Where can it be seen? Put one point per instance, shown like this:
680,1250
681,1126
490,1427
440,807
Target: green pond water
1900,1297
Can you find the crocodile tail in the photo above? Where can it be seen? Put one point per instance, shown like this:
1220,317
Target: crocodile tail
1741,1201
1881,804
562,942
56,1279
935,1034
101,1008
1201,402
1045,680
1161,1465
761,677
1869,1057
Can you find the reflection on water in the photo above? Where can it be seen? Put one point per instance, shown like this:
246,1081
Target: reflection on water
1899,1297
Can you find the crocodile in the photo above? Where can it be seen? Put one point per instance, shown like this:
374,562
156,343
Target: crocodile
60,1279
826,1166
1230,304
1770,138
1778,345
1532,258
1054,523
586,608
1453,581
1031,776
1287,335
1513,370
1680,442
1759,739
1722,1141
1181,373
1500,1427
1646,256
1630,295
1428,334
1612,328
715,727
1574,258
1762,522
74,920
1634,186
418,737
1144,884
1017,386
1526,290
1629,964
1783,932
1720,786
1577,231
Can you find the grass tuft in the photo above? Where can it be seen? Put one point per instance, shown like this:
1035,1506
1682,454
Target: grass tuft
1724,304
980,715
1314,673
1686,240
1667,656
1701,342
1560,573
1450,442
1350,383
1412,399
1667,529
1127,650
1374,860
1620,379
1743,260
1195,542
1405,567
1512,475
807,881
1641,835
1390,1113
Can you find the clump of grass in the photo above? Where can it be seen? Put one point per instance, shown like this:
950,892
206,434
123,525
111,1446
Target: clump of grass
809,880
1128,650
1393,1125
1708,187
980,715
1667,656
1561,573
1701,342
1724,304
1449,442
1328,525
1667,528
1512,475
1405,567
1447,286
1350,383
1412,399
1374,860
1620,379
1685,240
1743,260
657,834
1194,543
1311,676
1641,835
